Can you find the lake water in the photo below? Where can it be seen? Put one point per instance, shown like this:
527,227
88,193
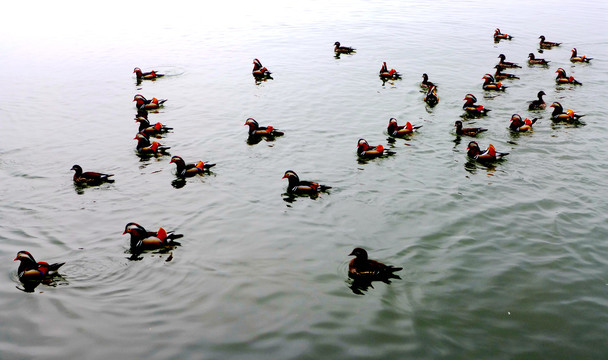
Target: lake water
500,262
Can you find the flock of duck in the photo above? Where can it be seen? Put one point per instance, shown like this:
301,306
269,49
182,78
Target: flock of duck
361,269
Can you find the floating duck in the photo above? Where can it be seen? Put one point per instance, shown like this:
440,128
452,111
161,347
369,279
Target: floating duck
144,104
364,150
90,177
425,84
266,131
141,239
499,75
386,74
362,266
300,187
560,115
151,130
342,49
489,155
500,36
491,85
188,170
144,147
260,71
538,104
519,125
146,75
32,273
547,44
431,97
395,130
562,78
505,64
532,60
471,109
467,131
576,58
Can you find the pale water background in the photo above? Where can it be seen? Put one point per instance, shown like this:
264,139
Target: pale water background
505,262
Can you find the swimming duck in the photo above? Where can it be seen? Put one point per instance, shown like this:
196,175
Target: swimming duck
538,104
519,125
499,75
395,130
562,78
256,130
425,84
144,147
385,73
490,154
431,97
300,187
500,36
467,131
505,64
343,49
471,109
146,75
141,239
576,58
362,266
28,263
144,104
532,60
364,150
188,170
146,128
560,115
490,85
547,44
89,177
260,71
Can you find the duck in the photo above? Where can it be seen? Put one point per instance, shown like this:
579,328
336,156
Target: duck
141,239
532,60
144,147
260,71
471,109
560,115
364,150
519,125
538,104
90,177
505,64
395,130
499,75
425,84
489,155
385,73
144,104
343,49
467,131
28,263
491,85
562,78
500,36
431,97
151,130
547,44
188,170
256,130
301,187
362,266
575,58
151,75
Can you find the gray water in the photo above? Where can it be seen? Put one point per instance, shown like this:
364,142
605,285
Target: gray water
500,262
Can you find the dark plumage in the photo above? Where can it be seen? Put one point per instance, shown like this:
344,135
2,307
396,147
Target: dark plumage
560,115
532,60
32,273
500,36
425,84
260,71
396,130
342,49
151,75
499,75
491,85
538,104
471,109
547,44
301,187
387,74
364,150
431,97
505,64
151,130
563,78
188,170
519,125
467,131
266,131
575,58
89,177
144,104
145,147
489,155
362,266
141,239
